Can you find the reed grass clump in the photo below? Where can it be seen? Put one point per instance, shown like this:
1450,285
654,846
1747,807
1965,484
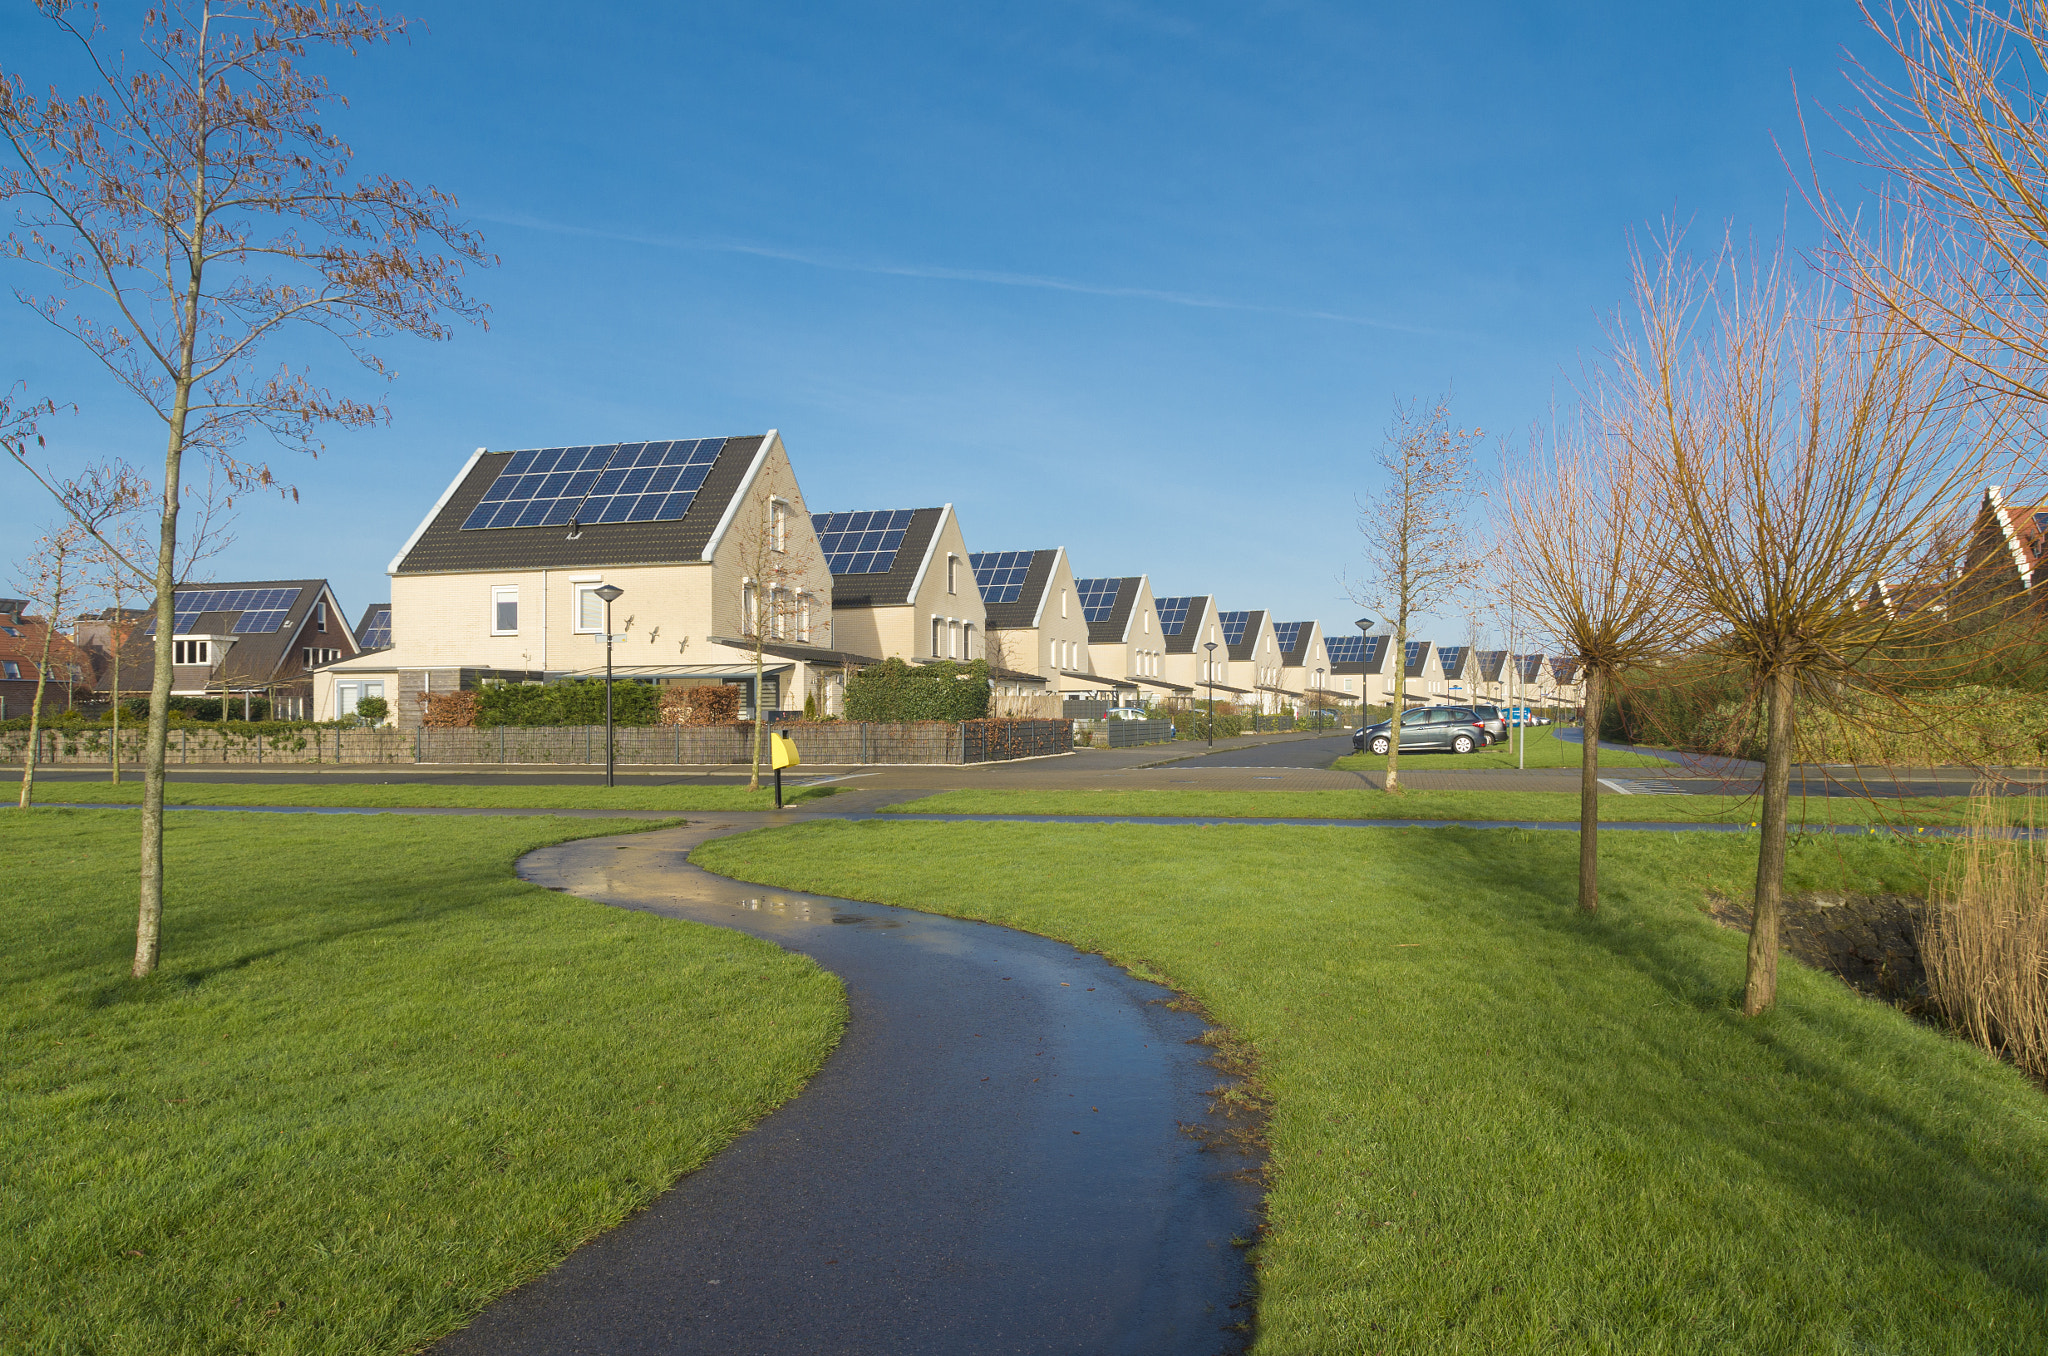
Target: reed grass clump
1985,941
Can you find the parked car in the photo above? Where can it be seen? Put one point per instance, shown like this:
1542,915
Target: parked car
1126,713
1457,728
1494,720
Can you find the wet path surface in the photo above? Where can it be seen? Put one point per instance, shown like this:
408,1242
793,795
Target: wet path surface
992,1161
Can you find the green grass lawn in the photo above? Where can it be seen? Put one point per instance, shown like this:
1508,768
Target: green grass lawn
1545,750
1411,804
413,795
1501,1125
378,1080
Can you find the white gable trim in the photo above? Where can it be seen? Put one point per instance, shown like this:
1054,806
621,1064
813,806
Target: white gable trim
931,548
1059,556
1994,495
769,443
434,512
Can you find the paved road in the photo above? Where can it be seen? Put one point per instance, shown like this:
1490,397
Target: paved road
993,1161
1312,751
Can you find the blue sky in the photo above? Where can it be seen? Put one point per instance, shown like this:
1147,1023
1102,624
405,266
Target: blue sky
1142,280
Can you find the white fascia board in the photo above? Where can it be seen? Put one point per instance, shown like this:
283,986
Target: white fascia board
1059,555
769,443
435,511
930,549
1995,496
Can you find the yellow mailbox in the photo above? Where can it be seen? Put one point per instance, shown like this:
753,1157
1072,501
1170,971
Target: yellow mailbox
784,753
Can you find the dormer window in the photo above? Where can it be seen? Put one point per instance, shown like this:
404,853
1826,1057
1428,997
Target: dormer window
191,652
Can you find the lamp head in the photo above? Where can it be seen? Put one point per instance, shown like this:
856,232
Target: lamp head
1363,623
611,593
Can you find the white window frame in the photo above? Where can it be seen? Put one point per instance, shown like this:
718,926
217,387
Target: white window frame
320,615
750,606
12,669
577,592
195,651
778,524
778,612
952,640
803,617
952,573
938,637
500,595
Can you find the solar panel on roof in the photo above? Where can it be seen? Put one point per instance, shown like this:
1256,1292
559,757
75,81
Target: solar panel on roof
1375,646
618,483
865,542
1000,574
1345,649
1098,597
377,635
1452,656
1233,624
262,610
1410,651
1173,614
1288,634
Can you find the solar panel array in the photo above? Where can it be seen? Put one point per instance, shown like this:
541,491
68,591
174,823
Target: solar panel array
263,610
1288,634
1098,597
377,635
1345,649
1490,662
1411,653
1529,666
1173,614
618,483
1452,656
861,543
1000,574
1233,624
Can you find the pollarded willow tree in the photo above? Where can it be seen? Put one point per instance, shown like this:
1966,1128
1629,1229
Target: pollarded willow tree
1801,447
1589,558
192,211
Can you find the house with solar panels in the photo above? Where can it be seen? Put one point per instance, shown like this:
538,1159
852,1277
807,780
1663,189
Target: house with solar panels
903,584
1034,616
1126,652
1456,684
1301,655
1490,674
1358,667
250,640
1254,657
708,537
1185,624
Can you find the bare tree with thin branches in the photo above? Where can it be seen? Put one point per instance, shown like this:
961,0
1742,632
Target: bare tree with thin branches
1799,449
1417,549
192,210
50,579
1578,521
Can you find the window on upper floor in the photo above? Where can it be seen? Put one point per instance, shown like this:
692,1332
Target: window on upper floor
938,638
952,574
505,611
778,525
587,615
803,617
12,669
750,607
191,652
320,615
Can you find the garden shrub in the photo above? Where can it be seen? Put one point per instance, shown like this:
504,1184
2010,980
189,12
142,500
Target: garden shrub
580,703
896,691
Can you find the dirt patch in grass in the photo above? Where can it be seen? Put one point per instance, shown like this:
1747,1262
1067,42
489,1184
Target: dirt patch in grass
1871,942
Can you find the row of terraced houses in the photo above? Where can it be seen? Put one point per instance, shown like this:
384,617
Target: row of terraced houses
714,549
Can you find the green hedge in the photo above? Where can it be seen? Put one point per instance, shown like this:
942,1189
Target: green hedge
896,691
633,703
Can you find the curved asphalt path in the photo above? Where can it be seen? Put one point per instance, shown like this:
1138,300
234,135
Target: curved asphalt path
994,1160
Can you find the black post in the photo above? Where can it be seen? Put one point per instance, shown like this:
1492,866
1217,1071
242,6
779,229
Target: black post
609,593
778,788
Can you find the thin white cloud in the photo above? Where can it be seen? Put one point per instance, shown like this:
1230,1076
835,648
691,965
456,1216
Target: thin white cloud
994,277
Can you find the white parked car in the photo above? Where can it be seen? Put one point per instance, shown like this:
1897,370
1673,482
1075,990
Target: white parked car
1126,713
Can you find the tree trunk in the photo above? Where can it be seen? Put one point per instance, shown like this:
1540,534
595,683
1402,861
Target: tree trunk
120,638
150,904
1760,989
1398,657
1589,802
35,710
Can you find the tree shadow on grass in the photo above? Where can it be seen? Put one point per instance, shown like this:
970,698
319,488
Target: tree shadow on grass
1938,1164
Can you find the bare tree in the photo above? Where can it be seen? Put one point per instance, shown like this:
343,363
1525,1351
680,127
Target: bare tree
111,498
192,209
50,579
1956,248
1417,550
1798,452
1590,553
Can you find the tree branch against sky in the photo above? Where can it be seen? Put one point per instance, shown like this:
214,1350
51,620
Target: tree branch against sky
1418,552
189,211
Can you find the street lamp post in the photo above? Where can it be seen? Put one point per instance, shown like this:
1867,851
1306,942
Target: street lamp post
1364,624
610,593
1210,646
1319,701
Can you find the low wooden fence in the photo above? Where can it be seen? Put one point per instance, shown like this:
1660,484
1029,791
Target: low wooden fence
831,743
1129,734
